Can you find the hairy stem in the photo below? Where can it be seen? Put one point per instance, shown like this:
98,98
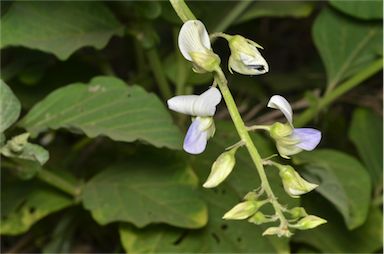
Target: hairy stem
354,81
248,143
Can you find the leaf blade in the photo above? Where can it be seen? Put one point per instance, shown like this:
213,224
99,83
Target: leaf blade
106,107
9,105
59,28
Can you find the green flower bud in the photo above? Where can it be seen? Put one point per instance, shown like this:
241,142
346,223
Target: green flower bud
205,61
243,210
279,231
16,144
221,168
259,218
308,222
293,183
245,57
297,212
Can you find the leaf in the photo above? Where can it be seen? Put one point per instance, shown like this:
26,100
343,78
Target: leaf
345,45
60,28
218,236
160,239
10,107
334,237
372,9
26,202
107,106
142,191
342,180
295,9
365,130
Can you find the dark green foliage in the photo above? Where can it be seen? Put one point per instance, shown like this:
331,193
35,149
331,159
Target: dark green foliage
103,170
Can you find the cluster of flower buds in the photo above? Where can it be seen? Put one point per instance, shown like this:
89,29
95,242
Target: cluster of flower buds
195,45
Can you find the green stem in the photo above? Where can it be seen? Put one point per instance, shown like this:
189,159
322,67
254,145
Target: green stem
157,68
244,135
354,81
232,16
182,10
59,182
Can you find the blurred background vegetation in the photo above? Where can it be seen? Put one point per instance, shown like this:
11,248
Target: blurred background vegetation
103,170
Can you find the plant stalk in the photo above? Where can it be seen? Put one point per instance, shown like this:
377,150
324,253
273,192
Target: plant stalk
354,81
60,183
248,143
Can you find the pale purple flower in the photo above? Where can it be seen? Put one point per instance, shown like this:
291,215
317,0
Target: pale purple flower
300,138
202,107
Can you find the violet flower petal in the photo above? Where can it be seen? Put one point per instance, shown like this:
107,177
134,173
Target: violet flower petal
196,140
309,138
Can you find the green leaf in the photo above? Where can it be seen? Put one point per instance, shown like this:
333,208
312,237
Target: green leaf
60,28
365,130
334,237
295,9
345,45
372,9
162,189
342,180
160,239
10,107
23,203
219,236
107,106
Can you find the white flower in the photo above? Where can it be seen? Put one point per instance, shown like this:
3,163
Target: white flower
290,140
195,46
203,107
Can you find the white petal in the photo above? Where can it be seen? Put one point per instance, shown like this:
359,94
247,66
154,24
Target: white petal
183,104
193,37
205,105
280,103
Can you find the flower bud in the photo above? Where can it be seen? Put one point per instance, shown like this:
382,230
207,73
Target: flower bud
279,231
245,57
293,183
308,222
259,218
16,144
206,61
297,212
243,210
221,168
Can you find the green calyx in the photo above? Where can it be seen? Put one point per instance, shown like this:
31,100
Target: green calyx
205,61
